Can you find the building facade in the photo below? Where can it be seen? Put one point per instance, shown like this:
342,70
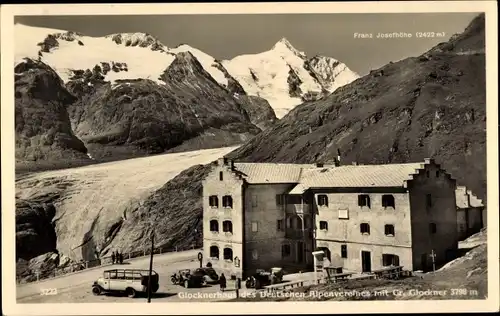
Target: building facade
471,214
363,217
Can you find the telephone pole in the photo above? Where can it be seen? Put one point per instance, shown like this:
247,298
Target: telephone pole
151,265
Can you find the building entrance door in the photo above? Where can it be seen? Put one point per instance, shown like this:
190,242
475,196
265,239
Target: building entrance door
300,251
423,262
366,261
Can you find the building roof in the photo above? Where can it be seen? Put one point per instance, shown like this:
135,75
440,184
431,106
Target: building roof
462,200
389,175
310,176
465,198
261,173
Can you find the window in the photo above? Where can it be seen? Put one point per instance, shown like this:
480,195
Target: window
255,226
428,200
294,199
307,222
279,225
364,200
323,225
295,222
322,200
343,214
365,228
213,201
254,200
432,228
227,226
388,201
228,254
285,250
227,201
389,230
279,199
221,176
255,254
214,252
461,228
214,226
343,251
390,260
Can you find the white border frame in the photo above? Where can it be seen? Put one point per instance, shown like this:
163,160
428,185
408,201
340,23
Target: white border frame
8,174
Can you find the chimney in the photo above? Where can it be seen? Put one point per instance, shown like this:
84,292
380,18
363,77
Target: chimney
354,163
336,162
231,163
222,161
338,156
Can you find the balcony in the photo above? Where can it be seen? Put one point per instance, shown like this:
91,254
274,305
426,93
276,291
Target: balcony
298,208
299,234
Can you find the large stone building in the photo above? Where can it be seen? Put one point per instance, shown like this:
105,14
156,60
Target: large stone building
261,215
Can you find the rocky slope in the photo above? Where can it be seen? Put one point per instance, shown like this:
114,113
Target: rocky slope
142,117
43,128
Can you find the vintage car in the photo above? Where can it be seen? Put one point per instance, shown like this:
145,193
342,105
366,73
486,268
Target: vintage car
262,278
195,278
128,281
209,274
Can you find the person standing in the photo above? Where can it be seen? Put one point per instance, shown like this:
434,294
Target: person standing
222,282
113,257
121,257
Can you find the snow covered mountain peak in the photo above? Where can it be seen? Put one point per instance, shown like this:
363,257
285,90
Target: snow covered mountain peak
284,46
137,39
284,76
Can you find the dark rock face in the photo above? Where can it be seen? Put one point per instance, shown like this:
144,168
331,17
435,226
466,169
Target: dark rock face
35,234
403,115
232,84
141,117
294,83
43,128
260,111
42,266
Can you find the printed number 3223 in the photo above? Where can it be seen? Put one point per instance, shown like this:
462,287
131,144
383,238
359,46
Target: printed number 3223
48,292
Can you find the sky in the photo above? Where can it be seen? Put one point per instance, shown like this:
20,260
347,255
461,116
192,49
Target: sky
227,36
